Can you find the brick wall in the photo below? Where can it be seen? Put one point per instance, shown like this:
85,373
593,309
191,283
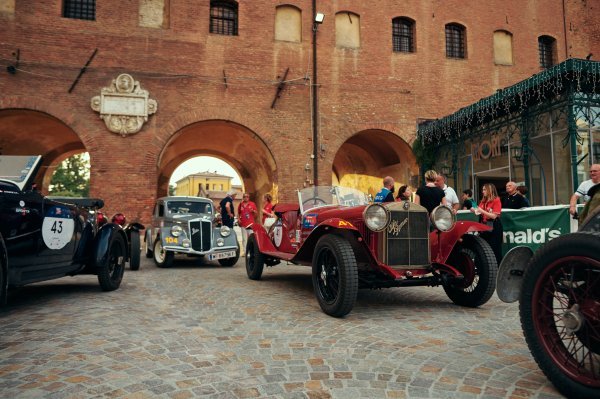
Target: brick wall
182,66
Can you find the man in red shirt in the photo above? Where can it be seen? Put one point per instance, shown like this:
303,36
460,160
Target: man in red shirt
247,212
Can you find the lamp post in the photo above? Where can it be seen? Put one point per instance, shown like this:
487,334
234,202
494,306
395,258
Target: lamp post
317,20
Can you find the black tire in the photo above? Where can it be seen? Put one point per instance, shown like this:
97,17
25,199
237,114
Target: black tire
558,309
162,258
474,258
229,262
335,275
3,274
134,245
255,260
148,245
112,268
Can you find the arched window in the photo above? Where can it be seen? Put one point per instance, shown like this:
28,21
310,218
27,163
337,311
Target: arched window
503,53
547,49
288,24
224,17
403,35
455,41
347,30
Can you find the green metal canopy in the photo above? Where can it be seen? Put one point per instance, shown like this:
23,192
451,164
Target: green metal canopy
569,77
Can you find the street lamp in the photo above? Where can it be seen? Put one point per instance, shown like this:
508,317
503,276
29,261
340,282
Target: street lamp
317,20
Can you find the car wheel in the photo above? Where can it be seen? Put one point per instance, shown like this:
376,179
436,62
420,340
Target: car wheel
335,275
255,261
147,246
475,259
230,261
3,274
110,271
162,258
559,304
134,259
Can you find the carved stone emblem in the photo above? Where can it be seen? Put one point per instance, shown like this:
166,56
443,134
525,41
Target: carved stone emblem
124,106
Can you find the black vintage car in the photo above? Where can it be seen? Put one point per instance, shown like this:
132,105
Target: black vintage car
43,238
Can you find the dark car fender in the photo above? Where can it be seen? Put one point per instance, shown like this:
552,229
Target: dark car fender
102,242
135,226
442,243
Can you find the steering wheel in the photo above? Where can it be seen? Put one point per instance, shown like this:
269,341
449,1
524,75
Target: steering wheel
313,201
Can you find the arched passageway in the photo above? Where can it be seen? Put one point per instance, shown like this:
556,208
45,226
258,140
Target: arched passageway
27,132
365,158
231,142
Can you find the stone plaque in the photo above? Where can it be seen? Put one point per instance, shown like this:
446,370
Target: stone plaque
124,106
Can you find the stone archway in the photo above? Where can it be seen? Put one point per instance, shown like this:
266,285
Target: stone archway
229,141
369,155
28,132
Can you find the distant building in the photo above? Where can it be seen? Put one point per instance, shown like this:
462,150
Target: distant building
215,186
210,181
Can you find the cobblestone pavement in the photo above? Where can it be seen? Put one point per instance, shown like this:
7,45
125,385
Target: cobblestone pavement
199,329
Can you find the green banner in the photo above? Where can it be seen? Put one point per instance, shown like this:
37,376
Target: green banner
530,227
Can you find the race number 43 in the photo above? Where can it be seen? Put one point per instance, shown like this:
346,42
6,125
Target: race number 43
57,232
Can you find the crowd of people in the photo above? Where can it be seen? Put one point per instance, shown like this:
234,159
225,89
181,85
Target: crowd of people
433,193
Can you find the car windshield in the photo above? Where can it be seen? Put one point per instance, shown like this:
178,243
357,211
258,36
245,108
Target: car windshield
18,168
313,197
188,207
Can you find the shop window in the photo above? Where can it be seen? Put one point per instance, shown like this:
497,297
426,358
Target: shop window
347,30
288,24
80,9
547,50
403,35
455,41
154,13
224,17
503,53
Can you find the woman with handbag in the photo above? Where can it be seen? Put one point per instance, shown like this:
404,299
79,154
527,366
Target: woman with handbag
489,210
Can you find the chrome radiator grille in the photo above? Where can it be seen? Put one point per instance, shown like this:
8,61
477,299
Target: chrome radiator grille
201,235
405,243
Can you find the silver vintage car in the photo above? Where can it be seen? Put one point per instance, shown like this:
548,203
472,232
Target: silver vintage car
188,225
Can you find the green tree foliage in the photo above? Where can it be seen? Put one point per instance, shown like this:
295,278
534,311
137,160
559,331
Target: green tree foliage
72,177
171,189
425,155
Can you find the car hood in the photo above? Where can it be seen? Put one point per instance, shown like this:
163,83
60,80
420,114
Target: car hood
190,216
337,211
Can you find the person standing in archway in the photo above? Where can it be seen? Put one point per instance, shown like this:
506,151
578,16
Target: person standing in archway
226,206
268,216
386,194
247,213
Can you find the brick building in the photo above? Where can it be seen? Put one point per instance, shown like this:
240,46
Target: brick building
236,80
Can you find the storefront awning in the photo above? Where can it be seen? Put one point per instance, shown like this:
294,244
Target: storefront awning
570,76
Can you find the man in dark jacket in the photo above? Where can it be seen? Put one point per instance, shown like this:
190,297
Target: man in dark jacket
513,199
386,194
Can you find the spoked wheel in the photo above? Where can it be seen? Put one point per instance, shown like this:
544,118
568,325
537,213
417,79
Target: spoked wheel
335,275
112,265
560,313
255,261
475,259
162,258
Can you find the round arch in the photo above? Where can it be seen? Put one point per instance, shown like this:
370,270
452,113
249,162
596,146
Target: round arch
365,158
229,141
32,132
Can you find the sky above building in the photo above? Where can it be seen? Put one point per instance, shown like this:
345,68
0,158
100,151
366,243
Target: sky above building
203,164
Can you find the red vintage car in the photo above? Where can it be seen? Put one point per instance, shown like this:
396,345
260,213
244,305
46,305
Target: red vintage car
352,244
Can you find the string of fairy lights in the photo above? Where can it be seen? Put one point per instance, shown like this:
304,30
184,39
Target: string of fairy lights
580,75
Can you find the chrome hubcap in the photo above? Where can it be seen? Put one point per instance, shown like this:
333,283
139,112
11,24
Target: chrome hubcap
573,319
323,275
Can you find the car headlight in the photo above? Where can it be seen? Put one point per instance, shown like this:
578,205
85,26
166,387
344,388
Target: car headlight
376,217
220,242
443,218
176,230
225,231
